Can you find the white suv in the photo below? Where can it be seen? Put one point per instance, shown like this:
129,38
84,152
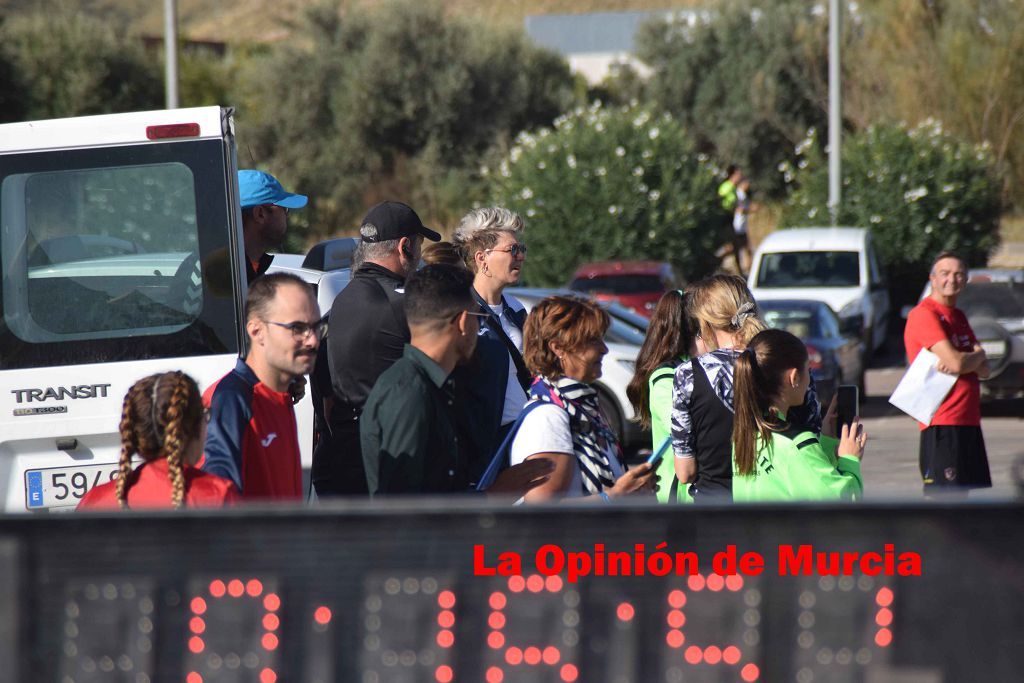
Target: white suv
835,265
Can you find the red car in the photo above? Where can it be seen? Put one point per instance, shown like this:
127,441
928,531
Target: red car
634,284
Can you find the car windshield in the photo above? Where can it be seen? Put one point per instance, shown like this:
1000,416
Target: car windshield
992,300
809,269
618,284
800,322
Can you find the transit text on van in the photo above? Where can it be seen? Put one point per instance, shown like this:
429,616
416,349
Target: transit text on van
61,393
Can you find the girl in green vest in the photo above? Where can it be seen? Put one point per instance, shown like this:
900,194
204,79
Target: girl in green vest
772,459
669,342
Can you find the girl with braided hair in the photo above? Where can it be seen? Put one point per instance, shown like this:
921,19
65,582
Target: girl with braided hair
164,423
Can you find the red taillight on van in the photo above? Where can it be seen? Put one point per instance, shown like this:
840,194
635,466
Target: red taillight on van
173,130
813,358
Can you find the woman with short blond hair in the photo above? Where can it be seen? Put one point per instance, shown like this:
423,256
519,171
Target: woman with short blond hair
492,387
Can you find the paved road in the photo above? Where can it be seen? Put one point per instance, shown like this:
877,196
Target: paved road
890,465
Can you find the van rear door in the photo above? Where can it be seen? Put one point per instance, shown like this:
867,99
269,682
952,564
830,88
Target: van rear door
119,257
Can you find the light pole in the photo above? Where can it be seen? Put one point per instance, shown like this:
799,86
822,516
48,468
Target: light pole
171,53
835,117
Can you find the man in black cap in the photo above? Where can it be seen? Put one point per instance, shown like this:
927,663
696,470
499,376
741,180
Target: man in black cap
367,333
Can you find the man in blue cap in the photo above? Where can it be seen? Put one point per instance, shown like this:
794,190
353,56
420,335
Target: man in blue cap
265,206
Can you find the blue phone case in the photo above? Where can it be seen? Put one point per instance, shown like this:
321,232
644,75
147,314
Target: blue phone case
657,455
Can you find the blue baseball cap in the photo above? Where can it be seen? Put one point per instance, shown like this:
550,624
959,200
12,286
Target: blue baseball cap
258,187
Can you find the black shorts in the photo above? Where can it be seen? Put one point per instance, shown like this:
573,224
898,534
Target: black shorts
954,456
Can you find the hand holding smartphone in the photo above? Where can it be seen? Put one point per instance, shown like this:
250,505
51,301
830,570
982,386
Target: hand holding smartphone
847,405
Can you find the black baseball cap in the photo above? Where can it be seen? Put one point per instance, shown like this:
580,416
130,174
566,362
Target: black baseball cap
392,220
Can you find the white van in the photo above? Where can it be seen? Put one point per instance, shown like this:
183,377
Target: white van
119,257
835,265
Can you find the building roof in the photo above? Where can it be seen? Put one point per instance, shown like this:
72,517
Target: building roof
582,33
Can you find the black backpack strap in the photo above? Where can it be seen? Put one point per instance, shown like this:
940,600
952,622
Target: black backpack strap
522,372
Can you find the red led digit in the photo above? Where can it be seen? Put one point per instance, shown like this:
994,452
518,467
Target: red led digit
532,625
214,641
713,623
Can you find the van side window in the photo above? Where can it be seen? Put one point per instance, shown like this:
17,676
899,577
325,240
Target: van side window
110,245
116,254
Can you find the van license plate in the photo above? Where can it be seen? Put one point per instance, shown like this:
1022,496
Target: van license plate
61,487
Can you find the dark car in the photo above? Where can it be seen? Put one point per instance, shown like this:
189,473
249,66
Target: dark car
834,359
635,284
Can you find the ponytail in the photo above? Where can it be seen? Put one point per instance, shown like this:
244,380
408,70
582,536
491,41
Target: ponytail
750,404
129,445
176,437
757,381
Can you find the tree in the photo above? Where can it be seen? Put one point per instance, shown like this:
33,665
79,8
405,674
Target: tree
961,61
919,190
610,183
13,93
77,65
377,101
747,83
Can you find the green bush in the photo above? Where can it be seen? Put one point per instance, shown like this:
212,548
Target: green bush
610,183
399,100
74,65
919,190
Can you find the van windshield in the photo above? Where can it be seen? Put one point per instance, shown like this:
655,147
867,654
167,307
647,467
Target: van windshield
101,246
809,269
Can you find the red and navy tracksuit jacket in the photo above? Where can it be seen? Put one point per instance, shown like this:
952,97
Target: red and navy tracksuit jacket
252,438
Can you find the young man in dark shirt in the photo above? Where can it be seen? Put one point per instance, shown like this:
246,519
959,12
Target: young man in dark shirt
407,429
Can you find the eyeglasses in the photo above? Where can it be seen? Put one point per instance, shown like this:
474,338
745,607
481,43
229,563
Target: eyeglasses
278,206
516,250
301,330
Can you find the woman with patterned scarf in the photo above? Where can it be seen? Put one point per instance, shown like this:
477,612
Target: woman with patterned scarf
563,421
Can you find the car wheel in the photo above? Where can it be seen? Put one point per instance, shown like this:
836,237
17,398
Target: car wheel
996,341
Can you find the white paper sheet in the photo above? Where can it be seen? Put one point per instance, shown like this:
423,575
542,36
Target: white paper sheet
923,388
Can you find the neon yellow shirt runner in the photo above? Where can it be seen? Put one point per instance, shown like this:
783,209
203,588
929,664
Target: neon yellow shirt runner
798,465
660,400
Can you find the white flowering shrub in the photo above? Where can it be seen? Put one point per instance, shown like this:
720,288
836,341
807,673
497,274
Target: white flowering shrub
919,190
610,183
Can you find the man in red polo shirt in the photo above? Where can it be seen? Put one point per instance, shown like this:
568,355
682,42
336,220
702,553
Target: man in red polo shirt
952,450
252,437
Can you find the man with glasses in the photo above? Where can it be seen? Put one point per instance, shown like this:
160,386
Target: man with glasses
252,438
408,432
367,333
265,206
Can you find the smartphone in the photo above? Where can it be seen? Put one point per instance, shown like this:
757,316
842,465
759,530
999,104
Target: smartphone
657,455
847,405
